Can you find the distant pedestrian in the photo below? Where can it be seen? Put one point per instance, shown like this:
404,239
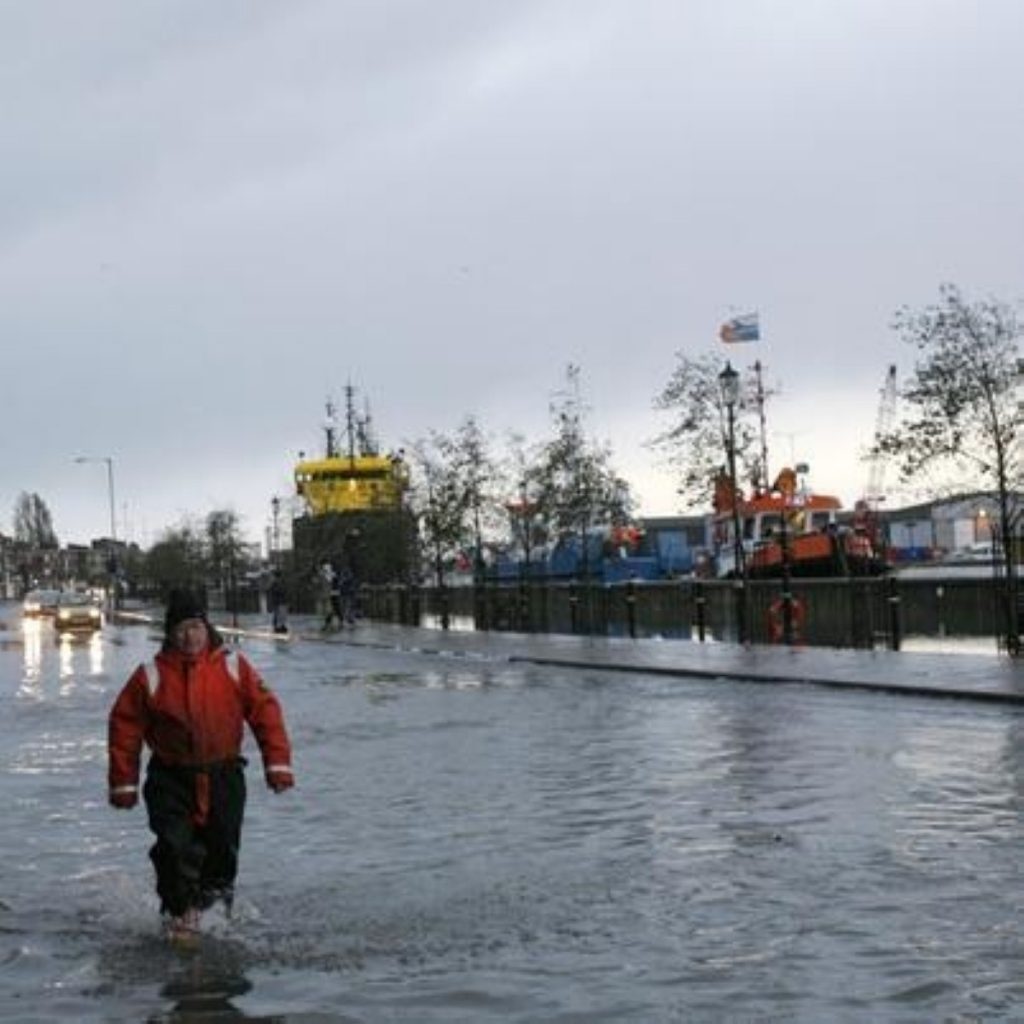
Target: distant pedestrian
347,595
277,600
324,585
334,584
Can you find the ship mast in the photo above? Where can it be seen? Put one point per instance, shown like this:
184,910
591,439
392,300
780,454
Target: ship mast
350,420
759,398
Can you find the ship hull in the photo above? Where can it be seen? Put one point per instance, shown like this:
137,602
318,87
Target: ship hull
815,555
377,547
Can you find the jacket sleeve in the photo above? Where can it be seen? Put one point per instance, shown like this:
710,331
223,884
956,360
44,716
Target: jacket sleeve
266,719
126,729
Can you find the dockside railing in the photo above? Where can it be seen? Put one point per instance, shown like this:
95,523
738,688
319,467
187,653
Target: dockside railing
835,612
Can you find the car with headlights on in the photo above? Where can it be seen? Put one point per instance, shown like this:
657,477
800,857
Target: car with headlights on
77,611
40,603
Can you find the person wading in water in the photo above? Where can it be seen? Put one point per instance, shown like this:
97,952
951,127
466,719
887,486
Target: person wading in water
189,707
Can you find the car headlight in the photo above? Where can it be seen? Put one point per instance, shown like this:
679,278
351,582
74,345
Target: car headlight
31,607
63,613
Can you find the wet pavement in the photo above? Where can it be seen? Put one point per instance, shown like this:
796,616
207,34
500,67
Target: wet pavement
964,676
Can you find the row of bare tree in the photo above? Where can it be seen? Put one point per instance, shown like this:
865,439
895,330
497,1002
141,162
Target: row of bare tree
960,420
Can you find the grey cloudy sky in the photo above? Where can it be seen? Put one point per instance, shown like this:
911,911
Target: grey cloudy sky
215,215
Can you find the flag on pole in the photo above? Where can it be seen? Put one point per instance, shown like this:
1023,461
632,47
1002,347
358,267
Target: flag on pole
740,328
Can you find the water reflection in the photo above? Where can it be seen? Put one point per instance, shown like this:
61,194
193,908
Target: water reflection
1012,762
33,658
194,985
78,654
476,842
204,993
70,644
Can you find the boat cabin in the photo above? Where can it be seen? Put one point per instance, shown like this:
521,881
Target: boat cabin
761,524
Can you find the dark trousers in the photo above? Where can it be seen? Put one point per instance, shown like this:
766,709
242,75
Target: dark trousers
334,609
195,863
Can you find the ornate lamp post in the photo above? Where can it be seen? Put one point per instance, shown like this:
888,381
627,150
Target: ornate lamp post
787,584
729,382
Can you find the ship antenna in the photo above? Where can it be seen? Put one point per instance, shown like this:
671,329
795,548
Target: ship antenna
350,423
367,441
331,432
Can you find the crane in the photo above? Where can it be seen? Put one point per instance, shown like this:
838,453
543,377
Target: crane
867,508
883,424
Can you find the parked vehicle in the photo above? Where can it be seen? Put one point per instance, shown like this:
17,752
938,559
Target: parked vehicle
40,603
981,551
76,611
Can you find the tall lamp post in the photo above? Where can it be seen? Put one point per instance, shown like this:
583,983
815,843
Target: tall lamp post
112,559
110,486
729,382
275,534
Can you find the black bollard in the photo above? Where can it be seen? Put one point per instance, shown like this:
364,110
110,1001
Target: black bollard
631,608
894,615
700,603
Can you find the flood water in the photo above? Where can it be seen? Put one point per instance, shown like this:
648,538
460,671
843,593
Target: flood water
478,841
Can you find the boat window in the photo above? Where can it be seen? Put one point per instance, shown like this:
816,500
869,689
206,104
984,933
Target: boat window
349,474
820,520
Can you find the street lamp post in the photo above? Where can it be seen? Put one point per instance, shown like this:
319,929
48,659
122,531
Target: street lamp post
112,559
110,486
729,382
275,535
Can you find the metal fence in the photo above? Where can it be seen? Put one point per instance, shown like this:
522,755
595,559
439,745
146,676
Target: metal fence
855,612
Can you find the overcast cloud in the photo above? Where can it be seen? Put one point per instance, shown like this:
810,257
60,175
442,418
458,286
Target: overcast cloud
215,215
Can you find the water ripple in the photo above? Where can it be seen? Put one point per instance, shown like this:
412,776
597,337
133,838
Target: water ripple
470,841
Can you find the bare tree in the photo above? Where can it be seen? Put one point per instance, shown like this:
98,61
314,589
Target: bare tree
694,443
224,546
522,477
440,501
33,524
177,559
469,453
961,406
577,489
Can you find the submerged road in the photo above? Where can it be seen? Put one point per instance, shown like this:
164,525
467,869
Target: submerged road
964,676
479,835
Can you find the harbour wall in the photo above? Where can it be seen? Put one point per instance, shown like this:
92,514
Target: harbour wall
847,612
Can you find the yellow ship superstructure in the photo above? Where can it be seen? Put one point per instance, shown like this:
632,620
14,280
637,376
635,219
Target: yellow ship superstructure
352,483
354,510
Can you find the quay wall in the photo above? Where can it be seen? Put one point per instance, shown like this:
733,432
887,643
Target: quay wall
848,612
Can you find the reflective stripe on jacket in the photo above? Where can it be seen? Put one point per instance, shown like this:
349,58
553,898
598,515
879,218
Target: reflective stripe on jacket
194,715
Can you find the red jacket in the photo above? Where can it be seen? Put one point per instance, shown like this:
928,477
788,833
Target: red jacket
190,711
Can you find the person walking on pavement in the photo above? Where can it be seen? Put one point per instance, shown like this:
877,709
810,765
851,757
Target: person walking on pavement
189,707
347,596
331,593
326,586
277,599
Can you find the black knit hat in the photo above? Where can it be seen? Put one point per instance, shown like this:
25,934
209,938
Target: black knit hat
181,605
